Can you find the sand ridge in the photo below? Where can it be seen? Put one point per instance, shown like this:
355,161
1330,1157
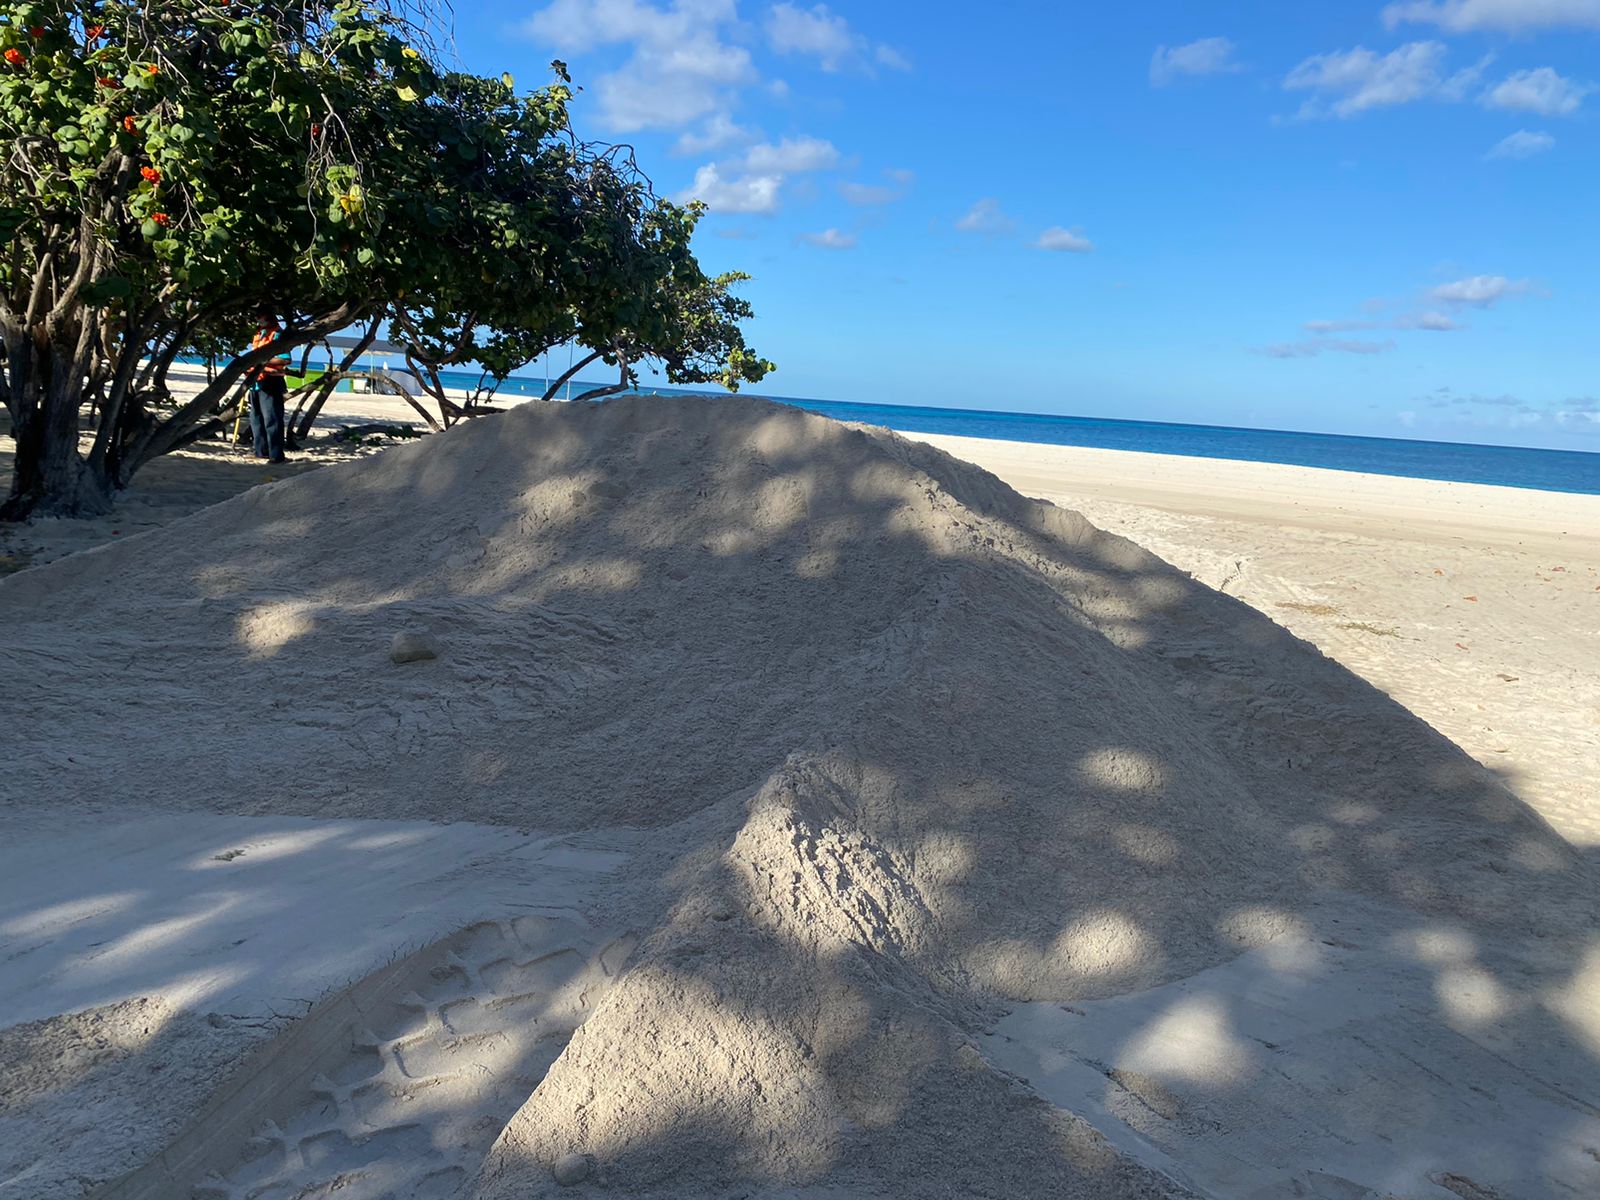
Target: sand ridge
912,748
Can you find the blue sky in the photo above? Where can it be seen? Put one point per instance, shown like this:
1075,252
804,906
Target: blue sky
1363,217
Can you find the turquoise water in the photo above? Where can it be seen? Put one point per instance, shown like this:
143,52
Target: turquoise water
1459,462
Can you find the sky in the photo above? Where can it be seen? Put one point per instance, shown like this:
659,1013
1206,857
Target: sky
1362,217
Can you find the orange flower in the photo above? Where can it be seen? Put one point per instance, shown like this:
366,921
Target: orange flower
160,218
154,70
16,57
93,32
128,124
151,175
316,131
106,81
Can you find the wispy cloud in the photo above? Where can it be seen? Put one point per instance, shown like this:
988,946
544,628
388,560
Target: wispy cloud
1312,347
888,56
1062,240
1429,312
1580,414
868,194
717,132
986,216
820,33
1433,322
1444,400
1349,82
1208,56
830,239
1478,291
681,69
791,156
1514,16
1521,144
1542,90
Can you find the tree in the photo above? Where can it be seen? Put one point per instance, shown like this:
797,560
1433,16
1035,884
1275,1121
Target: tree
177,165
690,329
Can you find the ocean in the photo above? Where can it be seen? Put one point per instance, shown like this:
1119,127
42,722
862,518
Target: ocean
1457,462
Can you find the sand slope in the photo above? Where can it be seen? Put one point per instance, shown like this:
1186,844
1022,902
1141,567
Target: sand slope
913,749
1476,607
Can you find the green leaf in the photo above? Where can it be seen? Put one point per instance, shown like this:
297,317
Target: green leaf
108,287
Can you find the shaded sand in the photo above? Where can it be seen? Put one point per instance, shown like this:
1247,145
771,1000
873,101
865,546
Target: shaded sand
907,761
183,482
1476,607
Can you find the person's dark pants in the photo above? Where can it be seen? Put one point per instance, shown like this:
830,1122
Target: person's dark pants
266,418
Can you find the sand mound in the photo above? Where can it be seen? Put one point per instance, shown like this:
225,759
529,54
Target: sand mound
914,748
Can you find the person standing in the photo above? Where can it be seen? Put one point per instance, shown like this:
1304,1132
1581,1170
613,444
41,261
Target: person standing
268,390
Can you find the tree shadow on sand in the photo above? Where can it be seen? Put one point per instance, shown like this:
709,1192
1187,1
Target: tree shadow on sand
919,756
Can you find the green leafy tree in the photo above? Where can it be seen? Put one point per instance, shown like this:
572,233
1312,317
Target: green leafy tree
177,165
688,328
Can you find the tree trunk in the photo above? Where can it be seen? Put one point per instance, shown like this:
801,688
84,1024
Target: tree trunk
555,387
621,385
49,476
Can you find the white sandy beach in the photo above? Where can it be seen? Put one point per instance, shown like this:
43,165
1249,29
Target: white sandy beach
791,811
1476,607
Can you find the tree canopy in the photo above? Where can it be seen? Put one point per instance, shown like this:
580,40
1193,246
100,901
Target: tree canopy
178,165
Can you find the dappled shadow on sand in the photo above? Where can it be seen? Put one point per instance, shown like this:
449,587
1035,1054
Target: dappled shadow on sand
919,751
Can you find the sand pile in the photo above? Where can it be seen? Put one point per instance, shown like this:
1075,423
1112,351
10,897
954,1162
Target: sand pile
911,748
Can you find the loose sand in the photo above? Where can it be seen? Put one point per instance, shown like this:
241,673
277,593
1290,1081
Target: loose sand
928,841
1478,608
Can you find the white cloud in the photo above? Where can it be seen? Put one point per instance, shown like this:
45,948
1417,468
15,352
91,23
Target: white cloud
1349,82
1521,144
1463,16
717,131
579,25
753,182
1541,91
901,176
888,56
830,239
791,156
1579,422
1433,322
738,194
1311,347
1208,56
1063,240
820,33
867,194
816,32
1581,414
1478,291
681,69
985,216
